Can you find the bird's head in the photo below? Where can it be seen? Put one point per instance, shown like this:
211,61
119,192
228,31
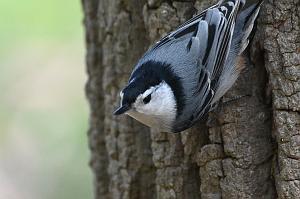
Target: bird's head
150,100
149,97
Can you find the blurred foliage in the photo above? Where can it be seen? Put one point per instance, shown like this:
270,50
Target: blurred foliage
43,117
48,19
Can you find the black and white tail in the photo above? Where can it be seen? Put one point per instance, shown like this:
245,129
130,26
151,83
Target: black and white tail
244,27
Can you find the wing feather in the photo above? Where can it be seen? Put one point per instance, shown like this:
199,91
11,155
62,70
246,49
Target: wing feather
185,28
220,22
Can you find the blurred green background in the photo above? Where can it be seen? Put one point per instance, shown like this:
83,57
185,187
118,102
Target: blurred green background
43,111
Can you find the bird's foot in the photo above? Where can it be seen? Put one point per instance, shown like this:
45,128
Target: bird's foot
235,98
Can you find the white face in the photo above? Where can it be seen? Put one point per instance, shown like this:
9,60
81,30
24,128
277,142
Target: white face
161,108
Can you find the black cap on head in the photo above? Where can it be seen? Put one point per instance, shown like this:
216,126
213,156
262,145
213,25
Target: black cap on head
150,73
130,93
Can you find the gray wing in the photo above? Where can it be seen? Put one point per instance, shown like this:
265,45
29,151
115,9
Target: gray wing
210,43
243,31
187,27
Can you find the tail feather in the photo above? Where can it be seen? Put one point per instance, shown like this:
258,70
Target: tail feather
244,26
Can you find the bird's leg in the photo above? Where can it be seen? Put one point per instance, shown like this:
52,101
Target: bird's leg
235,98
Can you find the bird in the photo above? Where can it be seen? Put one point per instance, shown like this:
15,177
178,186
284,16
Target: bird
185,74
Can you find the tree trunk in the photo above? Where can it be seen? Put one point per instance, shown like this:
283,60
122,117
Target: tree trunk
250,148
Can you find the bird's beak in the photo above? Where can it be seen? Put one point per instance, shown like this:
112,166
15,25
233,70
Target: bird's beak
122,109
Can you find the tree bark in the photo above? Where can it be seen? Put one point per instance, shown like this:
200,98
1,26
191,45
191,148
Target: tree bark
249,148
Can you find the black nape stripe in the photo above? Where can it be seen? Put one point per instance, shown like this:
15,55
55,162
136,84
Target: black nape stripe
152,73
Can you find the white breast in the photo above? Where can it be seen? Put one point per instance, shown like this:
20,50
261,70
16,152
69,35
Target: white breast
160,112
151,121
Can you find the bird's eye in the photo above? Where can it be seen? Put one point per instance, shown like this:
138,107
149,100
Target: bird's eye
147,99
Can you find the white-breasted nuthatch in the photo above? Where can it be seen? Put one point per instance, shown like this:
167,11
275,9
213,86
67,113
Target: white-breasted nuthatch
182,76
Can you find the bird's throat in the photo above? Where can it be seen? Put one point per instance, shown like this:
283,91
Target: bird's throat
150,121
